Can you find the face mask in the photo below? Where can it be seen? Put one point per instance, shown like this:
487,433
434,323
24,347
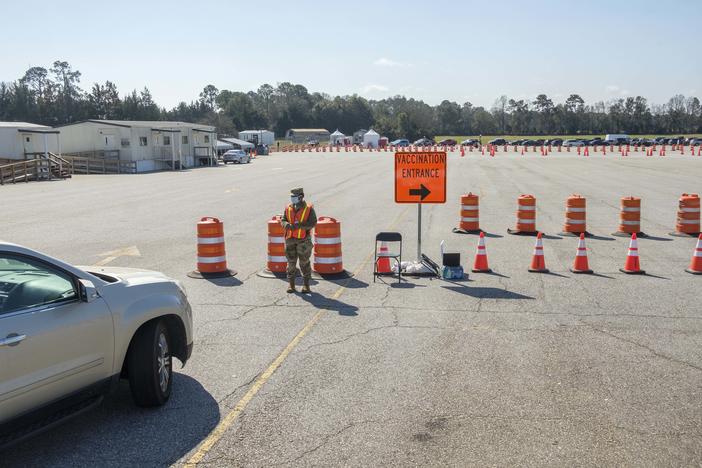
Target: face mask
294,200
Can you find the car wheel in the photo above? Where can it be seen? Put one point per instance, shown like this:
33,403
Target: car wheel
150,365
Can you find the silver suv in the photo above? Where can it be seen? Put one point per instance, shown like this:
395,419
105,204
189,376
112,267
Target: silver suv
68,334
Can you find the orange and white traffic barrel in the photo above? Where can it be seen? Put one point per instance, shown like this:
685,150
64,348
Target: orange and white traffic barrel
688,217
470,214
211,255
277,262
327,247
629,218
575,219
526,216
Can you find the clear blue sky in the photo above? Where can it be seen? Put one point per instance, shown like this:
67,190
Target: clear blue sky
433,50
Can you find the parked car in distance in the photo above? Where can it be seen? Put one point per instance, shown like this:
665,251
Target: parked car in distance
515,142
498,142
554,142
660,140
617,138
400,142
470,142
448,142
598,142
70,333
424,142
695,141
573,143
236,156
529,143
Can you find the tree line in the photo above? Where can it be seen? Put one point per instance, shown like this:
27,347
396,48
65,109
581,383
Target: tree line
53,96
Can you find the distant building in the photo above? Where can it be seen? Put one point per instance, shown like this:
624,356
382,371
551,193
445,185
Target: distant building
303,135
262,137
358,136
153,145
22,140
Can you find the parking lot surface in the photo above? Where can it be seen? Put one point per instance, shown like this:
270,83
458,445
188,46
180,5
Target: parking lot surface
509,368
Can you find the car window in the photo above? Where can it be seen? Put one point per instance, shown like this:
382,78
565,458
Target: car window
26,283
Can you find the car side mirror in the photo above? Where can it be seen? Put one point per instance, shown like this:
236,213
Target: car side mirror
88,291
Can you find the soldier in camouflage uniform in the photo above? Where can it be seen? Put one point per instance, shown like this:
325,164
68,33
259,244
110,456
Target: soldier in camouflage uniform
298,220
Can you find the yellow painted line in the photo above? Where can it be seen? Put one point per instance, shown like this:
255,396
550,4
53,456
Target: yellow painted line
113,255
234,414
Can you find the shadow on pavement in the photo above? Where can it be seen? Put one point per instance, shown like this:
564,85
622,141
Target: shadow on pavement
596,237
600,275
350,283
655,238
225,282
655,276
321,302
118,433
553,273
486,292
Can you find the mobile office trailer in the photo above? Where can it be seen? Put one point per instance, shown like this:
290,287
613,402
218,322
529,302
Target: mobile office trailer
23,140
152,145
261,137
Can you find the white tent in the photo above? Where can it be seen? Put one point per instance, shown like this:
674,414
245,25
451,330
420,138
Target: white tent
336,137
237,143
371,139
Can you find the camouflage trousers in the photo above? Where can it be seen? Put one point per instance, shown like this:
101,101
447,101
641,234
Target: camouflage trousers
299,249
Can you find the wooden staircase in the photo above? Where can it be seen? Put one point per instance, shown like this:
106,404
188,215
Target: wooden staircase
40,167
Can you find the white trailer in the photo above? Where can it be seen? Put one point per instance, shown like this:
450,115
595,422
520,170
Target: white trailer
262,137
22,140
152,145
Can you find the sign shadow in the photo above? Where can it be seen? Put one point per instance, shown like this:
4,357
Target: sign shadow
486,292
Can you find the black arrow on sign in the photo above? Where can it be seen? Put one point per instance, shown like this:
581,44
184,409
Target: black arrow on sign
422,191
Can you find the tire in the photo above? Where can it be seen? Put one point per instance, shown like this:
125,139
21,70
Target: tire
150,365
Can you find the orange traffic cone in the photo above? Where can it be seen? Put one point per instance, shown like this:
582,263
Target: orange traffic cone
383,263
631,266
696,263
538,263
580,264
481,260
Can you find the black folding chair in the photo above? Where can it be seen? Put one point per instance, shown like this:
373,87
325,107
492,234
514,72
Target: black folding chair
392,237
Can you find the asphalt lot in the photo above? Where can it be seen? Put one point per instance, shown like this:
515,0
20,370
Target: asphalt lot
504,369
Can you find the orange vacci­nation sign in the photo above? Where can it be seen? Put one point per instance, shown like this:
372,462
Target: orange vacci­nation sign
420,177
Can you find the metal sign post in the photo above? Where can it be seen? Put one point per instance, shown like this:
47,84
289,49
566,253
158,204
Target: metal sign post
419,232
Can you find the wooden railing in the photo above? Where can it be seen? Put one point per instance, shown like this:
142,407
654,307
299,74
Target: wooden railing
22,171
82,165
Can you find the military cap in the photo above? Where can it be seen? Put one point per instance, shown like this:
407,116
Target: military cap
297,191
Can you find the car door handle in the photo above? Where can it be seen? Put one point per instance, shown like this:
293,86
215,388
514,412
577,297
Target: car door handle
13,339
